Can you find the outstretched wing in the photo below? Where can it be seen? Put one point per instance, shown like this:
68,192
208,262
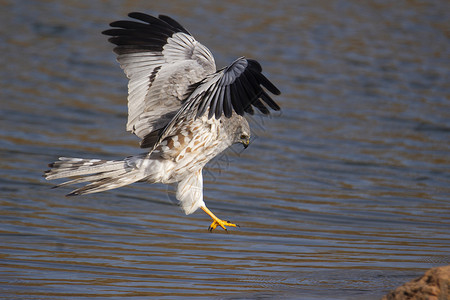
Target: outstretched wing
162,61
237,88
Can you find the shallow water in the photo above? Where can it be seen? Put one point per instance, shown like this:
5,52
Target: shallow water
343,195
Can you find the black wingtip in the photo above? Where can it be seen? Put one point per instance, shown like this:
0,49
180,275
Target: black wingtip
142,17
173,23
272,104
135,14
255,64
276,91
110,32
256,68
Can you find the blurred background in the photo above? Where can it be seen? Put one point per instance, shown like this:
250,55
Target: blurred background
344,194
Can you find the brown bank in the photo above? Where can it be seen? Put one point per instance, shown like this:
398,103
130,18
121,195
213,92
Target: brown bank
433,285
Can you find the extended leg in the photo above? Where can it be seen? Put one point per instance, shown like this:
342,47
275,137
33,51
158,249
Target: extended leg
216,221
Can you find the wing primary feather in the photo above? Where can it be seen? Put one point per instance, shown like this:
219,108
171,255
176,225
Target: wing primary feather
205,98
252,80
237,105
146,18
260,106
266,83
213,100
266,98
249,110
161,22
201,110
250,89
242,97
219,100
173,23
127,24
129,40
133,25
227,106
254,65
142,33
129,49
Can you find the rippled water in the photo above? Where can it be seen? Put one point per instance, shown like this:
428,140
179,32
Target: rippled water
343,195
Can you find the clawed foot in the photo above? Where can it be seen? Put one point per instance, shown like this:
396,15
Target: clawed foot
216,221
222,224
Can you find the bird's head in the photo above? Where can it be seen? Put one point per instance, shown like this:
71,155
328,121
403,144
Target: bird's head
244,139
237,129
242,133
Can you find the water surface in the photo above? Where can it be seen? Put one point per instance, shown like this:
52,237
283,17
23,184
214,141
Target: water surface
342,195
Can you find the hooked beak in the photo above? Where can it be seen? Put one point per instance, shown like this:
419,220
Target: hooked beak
246,143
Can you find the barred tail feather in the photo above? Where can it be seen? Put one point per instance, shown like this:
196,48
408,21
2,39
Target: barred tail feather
70,167
102,174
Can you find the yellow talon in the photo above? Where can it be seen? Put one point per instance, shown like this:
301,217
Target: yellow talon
216,221
222,224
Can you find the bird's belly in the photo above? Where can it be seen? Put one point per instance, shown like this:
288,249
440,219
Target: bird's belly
189,163
190,148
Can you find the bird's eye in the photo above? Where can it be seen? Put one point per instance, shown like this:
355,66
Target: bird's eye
243,137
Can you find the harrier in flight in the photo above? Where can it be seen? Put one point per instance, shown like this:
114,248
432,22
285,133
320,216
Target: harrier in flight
185,111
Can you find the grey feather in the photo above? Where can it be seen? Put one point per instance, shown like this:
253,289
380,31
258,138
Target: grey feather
179,61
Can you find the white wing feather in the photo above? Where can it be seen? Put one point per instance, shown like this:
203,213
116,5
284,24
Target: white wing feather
161,62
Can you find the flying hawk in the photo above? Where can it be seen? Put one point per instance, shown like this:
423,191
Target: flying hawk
184,110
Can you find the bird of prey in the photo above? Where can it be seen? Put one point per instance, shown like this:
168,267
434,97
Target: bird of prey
185,111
